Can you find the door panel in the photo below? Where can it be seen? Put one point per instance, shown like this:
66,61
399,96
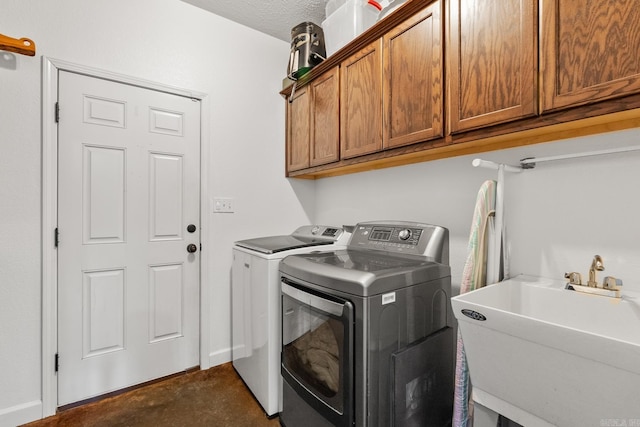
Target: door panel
361,102
298,132
165,314
103,194
165,201
413,83
105,112
589,51
103,314
129,173
325,118
492,62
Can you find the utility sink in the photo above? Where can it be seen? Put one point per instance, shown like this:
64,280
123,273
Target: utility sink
545,356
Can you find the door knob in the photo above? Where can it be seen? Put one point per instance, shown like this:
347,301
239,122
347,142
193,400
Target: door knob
192,248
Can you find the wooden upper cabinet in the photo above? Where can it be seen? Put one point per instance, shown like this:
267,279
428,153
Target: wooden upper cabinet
491,62
298,130
413,79
361,102
590,51
325,118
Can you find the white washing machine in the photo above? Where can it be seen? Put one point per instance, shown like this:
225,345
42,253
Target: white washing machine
255,305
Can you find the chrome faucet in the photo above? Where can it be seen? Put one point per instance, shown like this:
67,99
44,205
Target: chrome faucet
596,265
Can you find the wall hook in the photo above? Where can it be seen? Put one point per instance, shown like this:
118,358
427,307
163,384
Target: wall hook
23,46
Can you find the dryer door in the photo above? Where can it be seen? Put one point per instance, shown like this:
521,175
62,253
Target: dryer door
317,350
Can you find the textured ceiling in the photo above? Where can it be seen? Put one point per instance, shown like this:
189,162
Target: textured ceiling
273,17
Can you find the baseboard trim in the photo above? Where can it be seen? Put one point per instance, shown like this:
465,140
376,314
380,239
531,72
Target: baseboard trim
219,357
21,414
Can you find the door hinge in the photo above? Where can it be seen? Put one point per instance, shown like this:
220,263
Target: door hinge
56,362
57,112
56,237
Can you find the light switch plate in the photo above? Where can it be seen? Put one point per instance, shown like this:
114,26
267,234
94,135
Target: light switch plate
223,205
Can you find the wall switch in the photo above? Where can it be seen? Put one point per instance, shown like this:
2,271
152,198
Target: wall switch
223,205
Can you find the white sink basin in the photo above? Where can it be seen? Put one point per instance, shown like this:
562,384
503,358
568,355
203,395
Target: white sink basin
546,356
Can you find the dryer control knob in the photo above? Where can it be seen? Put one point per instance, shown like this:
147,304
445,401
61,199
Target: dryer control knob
404,234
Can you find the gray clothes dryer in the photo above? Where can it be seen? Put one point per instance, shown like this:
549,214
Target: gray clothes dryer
368,330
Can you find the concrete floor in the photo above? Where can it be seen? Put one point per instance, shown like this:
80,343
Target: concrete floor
215,397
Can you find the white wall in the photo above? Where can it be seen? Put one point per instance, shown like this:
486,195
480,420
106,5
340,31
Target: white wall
440,192
558,215
172,43
562,213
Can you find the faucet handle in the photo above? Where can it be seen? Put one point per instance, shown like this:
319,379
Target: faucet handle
575,278
611,282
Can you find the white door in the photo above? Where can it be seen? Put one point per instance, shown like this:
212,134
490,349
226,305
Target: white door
128,201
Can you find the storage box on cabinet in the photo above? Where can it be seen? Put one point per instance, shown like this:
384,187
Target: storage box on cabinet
348,20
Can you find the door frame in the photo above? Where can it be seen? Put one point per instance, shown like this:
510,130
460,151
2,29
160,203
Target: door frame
50,71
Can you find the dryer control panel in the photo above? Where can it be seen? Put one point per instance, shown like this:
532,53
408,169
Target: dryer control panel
402,236
411,238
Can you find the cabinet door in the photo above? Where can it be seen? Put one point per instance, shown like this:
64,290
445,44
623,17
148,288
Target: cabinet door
361,102
491,62
325,118
590,51
298,130
413,79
